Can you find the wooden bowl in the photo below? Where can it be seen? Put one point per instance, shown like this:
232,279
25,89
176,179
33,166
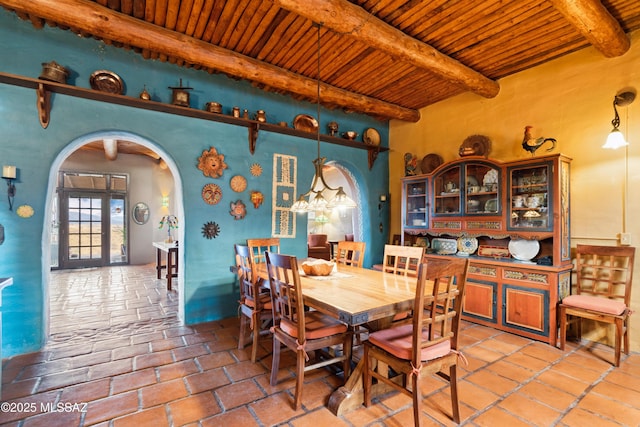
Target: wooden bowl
317,268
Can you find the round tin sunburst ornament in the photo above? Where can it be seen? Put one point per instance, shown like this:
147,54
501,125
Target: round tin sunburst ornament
238,183
210,230
256,169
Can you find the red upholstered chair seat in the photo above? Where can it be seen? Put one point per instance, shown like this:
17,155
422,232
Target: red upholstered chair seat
397,341
588,302
317,325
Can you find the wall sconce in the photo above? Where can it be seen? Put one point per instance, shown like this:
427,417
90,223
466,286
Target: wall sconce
383,200
9,173
165,201
616,139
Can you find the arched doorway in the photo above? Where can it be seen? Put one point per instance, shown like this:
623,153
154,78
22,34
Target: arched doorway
51,198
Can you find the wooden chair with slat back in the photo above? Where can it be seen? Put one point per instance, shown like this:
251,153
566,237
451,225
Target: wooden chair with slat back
259,246
427,345
351,253
602,292
402,259
255,302
299,330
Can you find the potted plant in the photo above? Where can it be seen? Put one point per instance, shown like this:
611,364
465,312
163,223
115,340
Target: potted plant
171,221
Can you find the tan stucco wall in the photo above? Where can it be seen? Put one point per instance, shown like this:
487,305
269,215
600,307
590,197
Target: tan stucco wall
569,99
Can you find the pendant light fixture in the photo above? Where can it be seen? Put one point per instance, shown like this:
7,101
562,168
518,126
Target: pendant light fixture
616,139
321,196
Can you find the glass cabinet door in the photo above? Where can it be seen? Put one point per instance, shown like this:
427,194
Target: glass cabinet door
530,198
416,204
446,190
482,189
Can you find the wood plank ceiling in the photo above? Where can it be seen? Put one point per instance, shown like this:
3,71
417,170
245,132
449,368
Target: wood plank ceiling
385,58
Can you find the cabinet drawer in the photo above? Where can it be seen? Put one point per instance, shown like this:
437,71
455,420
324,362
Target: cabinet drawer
530,276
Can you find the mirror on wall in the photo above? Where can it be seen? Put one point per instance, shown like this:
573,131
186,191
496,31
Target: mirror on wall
140,213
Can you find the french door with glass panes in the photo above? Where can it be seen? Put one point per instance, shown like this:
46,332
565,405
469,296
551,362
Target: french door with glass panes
92,229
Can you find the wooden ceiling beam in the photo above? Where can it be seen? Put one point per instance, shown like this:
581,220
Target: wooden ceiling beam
349,19
110,25
596,24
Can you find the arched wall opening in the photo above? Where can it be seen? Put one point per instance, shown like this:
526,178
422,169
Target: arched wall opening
51,195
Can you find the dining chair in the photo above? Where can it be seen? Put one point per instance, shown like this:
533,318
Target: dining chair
402,259
259,246
427,343
350,253
255,302
602,292
299,330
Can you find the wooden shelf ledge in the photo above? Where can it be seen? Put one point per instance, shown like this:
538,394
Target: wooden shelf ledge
44,88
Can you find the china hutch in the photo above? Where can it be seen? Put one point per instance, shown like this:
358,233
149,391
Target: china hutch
512,220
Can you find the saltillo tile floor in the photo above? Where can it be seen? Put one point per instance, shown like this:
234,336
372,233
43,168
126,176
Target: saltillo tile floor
117,356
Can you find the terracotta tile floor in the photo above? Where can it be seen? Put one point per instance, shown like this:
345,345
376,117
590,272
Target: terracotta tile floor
117,356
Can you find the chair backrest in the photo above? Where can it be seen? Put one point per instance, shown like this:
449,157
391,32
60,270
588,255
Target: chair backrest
351,253
605,271
349,237
402,259
249,283
438,304
259,246
314,240
286,293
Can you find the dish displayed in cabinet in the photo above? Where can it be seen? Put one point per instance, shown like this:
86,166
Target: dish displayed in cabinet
491,205
444,246
524,250
467,246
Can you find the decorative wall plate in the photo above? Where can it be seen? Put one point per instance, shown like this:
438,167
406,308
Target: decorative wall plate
25,211
371,137
238,210
106,81
211,163
238,183
430,162
256,169
305,122
211,194
210,230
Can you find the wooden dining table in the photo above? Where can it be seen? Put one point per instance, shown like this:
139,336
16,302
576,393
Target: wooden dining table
356,296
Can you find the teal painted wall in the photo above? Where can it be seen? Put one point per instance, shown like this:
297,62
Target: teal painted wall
209,289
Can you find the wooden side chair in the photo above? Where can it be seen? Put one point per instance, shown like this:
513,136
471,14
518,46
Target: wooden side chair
426,345
351,253
255,302
602,291
259,246
299,330
402,259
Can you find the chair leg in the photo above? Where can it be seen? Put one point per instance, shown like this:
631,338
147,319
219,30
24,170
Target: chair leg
625,334
619,332
366,376
299,378
453,383
275,362
417,399
243,331
256,336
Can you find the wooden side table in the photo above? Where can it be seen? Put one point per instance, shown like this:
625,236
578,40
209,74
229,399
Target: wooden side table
171,249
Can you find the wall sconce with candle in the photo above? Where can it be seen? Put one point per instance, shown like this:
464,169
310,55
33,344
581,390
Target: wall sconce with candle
9,173
616,139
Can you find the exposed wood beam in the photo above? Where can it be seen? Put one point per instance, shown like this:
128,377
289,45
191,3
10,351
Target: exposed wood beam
347,18
105,23
596,24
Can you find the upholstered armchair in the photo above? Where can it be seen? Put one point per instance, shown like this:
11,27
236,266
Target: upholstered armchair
318,246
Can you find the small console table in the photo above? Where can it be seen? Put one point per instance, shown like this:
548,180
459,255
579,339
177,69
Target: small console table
171,249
